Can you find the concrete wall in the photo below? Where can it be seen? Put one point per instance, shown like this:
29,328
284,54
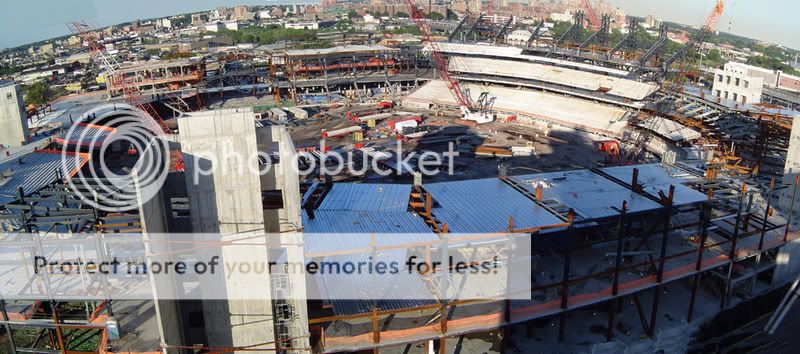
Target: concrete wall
13,116
790,170
788,264
153,214
789,82
735,84
228,202
287,221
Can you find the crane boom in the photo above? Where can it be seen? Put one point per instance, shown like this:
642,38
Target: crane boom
591,15
130,93
441,62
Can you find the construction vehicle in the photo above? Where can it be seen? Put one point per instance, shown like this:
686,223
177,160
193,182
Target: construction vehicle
611,148
481,112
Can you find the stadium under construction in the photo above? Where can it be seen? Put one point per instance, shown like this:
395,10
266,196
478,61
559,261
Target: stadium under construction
653,209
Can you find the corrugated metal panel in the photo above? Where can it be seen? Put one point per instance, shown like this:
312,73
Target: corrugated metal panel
484,206
32,172
332,231
367,197
591,195
357,293
88,135
657,177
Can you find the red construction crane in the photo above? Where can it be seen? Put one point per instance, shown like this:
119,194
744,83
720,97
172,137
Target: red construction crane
713,19
130,93
709,27
439,59
591,14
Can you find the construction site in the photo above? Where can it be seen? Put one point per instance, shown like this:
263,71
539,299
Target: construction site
659,216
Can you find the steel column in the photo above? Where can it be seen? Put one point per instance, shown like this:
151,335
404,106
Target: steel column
791,209
766,215
704,216
613,304
732,252
662,260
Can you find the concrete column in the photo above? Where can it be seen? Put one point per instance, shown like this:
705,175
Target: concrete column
790,170
287,221
226,204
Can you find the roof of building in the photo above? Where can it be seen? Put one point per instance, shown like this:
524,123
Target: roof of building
86,135
484,206
591,195
355,212
395,291
565,111
367,197
656,178
341,230
36,170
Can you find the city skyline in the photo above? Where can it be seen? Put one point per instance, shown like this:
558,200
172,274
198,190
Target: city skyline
747,19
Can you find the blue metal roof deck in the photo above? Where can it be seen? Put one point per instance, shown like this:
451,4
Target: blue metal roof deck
657,177
357,292
35,171
485,205
351,213
332,231
367,197
86,135
591,195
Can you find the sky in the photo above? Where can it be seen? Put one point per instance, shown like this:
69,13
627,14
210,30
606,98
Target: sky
773,21
26,21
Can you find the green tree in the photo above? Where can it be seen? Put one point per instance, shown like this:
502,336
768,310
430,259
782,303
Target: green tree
451,15
343,25
714,58
352,14
39,93
401,14
435,16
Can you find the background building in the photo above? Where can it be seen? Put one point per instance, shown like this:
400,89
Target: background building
735,82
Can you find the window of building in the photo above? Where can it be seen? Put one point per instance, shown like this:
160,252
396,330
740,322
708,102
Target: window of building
9,96
744,99
719,77
735,96
726,95
746,84
737,81
719,93
729,80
